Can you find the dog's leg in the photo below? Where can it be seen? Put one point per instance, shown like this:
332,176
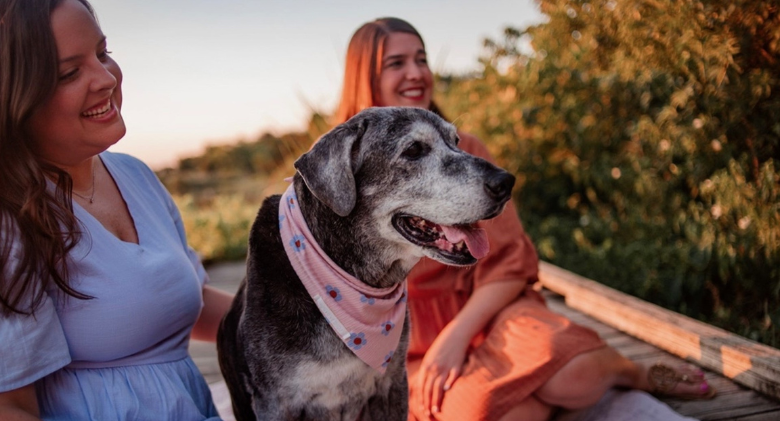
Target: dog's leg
350,413
398,400
231,358
269,411
391,407
392,404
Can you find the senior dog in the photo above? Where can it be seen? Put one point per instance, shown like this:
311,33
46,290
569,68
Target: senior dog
318,329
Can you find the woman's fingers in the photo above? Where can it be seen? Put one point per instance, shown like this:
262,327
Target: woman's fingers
440,388
437,394
451,377
426,388
434,386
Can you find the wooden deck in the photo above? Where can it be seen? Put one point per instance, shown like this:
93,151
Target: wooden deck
733,402
735,366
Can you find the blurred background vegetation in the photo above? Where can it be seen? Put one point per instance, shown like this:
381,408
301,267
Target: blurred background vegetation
645,135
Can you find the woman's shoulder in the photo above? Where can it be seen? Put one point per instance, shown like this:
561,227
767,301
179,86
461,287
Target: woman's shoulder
134,173
130,167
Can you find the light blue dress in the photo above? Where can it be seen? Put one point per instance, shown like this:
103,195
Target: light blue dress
122,355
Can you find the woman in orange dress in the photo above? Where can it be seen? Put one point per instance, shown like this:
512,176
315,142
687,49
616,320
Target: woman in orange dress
483,344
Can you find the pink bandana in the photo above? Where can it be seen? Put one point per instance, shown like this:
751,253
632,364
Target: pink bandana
369,320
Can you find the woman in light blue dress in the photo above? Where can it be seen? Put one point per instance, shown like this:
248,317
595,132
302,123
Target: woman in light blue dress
99,292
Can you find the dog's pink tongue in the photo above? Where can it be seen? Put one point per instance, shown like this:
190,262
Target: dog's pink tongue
475,238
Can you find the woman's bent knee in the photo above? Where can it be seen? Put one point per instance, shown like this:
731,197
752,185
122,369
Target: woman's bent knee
582,381
531,409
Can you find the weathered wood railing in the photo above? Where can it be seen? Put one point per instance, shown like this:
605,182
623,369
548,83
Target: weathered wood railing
744,361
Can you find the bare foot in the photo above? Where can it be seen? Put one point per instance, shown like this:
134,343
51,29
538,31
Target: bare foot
682,382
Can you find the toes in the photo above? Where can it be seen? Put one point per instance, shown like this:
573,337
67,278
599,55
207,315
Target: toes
691,374
694,385
683,381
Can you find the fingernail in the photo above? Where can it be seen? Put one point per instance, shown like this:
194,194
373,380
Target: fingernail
435,409
705,387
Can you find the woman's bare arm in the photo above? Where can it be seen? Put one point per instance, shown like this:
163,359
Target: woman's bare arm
215,304
19,405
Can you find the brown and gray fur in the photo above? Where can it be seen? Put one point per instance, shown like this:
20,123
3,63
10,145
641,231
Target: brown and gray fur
382,162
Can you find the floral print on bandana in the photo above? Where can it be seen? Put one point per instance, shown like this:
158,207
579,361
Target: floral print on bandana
333,293
357,340
387,327
388,358
291,199
297,243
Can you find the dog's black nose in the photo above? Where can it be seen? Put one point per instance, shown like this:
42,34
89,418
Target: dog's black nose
499,185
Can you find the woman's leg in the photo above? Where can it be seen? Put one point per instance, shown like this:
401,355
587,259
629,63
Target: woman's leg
585,378
531,409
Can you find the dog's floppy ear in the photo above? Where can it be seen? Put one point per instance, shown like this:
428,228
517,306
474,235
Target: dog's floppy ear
328,168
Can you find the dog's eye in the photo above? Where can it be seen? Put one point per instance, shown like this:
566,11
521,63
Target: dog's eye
416,151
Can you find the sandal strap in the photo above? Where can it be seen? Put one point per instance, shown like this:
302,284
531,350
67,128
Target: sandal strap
662,378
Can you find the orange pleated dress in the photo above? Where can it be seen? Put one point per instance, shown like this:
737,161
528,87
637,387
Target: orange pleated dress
519,350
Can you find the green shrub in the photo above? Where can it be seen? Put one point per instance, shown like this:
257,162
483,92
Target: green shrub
646,139
218,229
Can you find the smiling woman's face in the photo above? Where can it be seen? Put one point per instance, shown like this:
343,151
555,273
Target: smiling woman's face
406,79
83,117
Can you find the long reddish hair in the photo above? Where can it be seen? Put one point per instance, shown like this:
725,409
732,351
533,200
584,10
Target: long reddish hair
364,66
37,224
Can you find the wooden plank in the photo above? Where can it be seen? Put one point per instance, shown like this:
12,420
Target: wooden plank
766,416
744,361
204,354
733,402
555,303
732,406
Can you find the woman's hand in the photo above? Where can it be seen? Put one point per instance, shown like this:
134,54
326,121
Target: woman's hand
443,362
440,367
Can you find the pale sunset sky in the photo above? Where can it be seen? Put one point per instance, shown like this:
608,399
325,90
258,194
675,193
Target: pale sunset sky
203,72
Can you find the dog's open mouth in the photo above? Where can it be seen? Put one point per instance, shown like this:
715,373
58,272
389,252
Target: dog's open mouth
459,244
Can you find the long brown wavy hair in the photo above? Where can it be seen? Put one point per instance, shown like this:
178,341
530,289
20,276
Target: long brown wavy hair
364,66
37,224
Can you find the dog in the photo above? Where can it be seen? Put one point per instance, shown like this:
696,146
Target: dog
375,194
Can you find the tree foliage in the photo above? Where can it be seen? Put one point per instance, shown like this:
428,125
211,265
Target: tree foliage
226,169
218,192
646,139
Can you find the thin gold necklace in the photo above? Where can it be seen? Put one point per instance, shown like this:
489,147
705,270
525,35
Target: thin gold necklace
91,197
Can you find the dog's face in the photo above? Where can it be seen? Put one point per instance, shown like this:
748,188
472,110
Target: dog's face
400,174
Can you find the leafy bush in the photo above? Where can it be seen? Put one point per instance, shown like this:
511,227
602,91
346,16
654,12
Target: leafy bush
228,167
646,139
217,230
219,192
